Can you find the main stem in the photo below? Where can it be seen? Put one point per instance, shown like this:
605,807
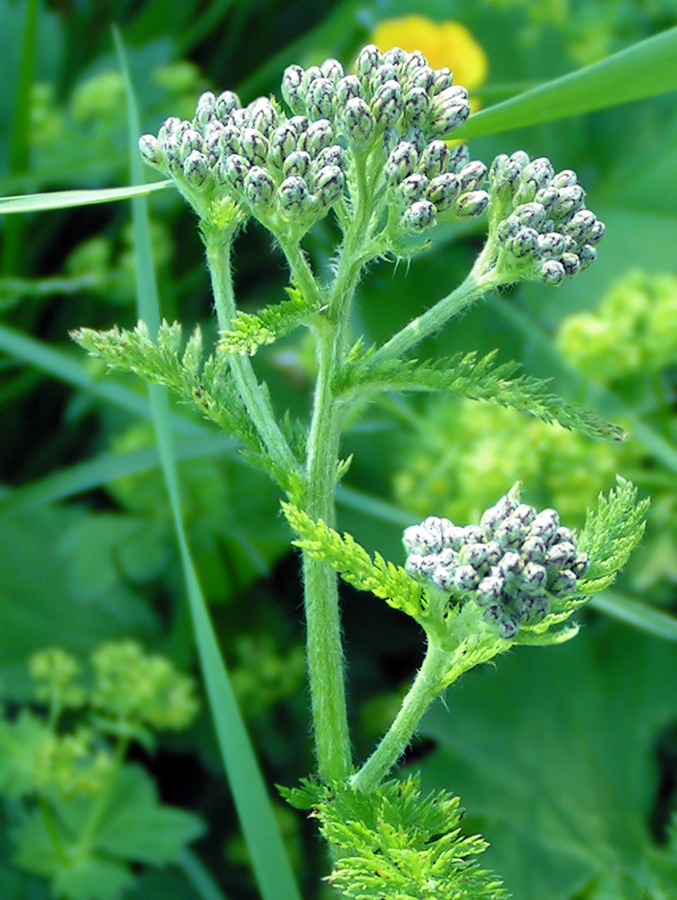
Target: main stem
424,690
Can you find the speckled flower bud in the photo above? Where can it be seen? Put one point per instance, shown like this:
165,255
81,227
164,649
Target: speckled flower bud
545,526
530,214
347,89
580,566
580,224
563,179
473,534
422,77
571,199
259,187
533,550
490,589
563,583
297,163
236,169
262,116
282,143
357,121
504,176
168,128
190,141
152,152
416,105
443,191
472,175
586,256
535,176
550,244
386,72
443,80
319,135
434,159
396,57
196,168
509,533
571,263
387,103
524,244
596,232
511,563
368,61
474,203
551,272
533,578
330,156
465,578
292,82
412,188
294,195
401,163
320,99
419,216
328,184
332,69
448,116
226,104
253,146
206,108
415,136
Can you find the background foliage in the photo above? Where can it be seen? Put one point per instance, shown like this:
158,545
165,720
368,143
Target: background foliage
567,759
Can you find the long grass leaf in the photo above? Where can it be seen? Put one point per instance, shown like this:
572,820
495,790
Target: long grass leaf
66,199
643,70
62,367
269,859
73,480
638,614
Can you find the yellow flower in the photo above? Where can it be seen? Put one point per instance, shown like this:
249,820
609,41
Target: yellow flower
442,43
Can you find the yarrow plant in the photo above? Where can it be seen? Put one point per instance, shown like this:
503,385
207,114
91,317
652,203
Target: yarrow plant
371,147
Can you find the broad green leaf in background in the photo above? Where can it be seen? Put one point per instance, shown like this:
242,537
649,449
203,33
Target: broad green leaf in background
553,749
269,859
643,70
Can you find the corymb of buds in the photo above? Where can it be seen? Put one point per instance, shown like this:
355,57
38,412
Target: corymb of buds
516,566
539,219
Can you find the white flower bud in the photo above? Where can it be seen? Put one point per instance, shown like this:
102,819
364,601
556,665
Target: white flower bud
320,99
533,550
259,187
465,578
401,163
190,141
490,590
509,533
319,135
416,105
471,204
561,556
415,135
508,229
565,178
195,168
551,272
571,263
472,174
473,534
563,583
504,176
498,618
328,184
168,128
596,232
580,224
434,159
524,514
580,566
396,57
524,244
348,88
385,72
386,104
422,77
152,152
297,163
586,256
442,81
571,199
357,120
332,69
226,104
282,143
550,244
545,526
448,117
520,159
368,61
292,82
548,197
443,191
236,169
530,214
294,195
534,578
419,216
254,146
262,116
510,564
229,141
412,188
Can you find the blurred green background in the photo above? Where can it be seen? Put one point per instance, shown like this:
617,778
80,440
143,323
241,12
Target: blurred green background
566,759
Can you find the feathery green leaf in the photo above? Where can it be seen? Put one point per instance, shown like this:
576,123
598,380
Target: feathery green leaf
248,332
342,552
478,379
612,530
394,843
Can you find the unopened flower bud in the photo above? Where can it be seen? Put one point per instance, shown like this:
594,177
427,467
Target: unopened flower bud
550,244
490,589
545,526
471,204
259,187
508,229
563,583
348,88
571,199
195,168
226,104
422,77
385,72
510,564
357,121
434,159
548,197
525,243
152,152
332,69
416,104
419,216
472,174
396,57
580,224
563,179
443,190
442,81
530,214
533,578
368,61
386,105
465,578
571,263
551,272
168,128
297,163
596,232
292,82
533,550
448,117
586,256
580,566
190,141
320,99
328,184
293,194
319,135
504,176
254,146
262,116
236,169
401,163
413,188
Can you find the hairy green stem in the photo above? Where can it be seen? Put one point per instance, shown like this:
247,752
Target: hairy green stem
436,317
255,400
426,687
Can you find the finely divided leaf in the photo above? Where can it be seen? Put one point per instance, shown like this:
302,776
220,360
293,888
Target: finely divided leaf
612,531
384,579
393,843
478,379
248,332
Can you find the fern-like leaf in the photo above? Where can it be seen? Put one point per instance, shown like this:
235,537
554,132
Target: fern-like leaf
206,385
397,844
612,530
352,562
248,332
478,379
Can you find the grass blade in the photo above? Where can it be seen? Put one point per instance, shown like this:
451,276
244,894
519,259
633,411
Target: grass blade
269,859
67,199
73,480
643,70
638,614
62,367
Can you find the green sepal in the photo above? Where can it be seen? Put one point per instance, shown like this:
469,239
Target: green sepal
397,844
248,332
478,379
612,530
352,562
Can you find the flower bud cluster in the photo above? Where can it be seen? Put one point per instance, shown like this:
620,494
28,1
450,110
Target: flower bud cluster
271,165
514,565
539,218
74,764
427,180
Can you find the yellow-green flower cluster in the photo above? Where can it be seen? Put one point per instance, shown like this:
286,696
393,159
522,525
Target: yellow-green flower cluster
55,671
74,764
633,332
466,454
133,687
